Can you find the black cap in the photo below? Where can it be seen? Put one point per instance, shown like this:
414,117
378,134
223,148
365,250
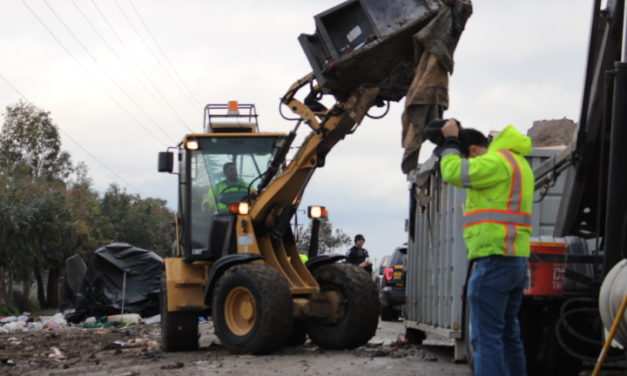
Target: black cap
359,237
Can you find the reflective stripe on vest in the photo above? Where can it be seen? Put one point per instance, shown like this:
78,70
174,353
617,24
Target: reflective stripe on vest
509,218
450,150
465,173
497,216
515,194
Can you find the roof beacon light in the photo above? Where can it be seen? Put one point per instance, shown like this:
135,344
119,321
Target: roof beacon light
241,208
317,211
233,108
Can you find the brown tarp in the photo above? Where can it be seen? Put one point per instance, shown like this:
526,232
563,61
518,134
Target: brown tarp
427,97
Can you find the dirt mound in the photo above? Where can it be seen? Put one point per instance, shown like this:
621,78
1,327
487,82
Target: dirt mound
552,132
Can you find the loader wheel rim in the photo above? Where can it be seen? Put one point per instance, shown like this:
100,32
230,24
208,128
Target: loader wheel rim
240,311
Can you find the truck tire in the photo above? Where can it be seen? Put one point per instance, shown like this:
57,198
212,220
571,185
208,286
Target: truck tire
414,336
179,330
252,309
356,319
388,313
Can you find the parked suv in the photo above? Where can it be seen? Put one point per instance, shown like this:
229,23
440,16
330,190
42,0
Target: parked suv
392,285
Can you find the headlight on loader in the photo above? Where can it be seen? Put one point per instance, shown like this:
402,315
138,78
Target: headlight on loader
241,208
191,144
316,211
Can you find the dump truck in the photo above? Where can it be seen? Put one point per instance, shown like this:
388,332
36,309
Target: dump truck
579,222
235,255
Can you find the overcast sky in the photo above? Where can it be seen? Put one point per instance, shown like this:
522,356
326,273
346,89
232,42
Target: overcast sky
118,103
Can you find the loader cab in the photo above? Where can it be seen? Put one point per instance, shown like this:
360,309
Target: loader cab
218,168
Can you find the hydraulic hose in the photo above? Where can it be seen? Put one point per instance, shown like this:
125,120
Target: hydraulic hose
564,327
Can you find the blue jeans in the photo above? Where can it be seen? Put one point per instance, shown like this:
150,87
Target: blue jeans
495,292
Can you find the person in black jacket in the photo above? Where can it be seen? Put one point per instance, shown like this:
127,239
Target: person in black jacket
358,255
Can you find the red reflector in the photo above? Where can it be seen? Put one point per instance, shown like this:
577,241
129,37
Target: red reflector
388,273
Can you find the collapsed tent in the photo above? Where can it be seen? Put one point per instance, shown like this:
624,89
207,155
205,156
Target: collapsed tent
120,277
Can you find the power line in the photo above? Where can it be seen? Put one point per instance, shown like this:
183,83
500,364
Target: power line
130,99
163,102
73,140
141,19
128,51
89,73
190,98
12,87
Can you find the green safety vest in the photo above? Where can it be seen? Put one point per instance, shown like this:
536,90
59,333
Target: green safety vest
500,184
225,189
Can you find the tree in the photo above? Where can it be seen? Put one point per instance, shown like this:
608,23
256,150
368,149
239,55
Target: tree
91,229
30,138
329,239
145,223
33,170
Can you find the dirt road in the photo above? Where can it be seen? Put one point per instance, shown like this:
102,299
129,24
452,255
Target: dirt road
133,351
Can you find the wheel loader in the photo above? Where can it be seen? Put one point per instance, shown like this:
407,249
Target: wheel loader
236,256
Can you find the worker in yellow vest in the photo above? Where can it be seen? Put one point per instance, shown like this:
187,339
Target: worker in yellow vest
497,228
230,189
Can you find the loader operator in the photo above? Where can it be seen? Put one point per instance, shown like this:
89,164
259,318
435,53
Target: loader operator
497,227
231,189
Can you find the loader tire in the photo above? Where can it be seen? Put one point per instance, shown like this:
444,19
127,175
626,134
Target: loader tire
179,330
252,309
357,316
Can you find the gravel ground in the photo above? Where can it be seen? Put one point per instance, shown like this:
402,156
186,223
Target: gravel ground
134,350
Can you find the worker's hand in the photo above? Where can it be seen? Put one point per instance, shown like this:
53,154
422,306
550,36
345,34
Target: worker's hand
451,128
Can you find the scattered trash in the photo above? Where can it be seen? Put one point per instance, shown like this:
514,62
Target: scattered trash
113,346
127,318
152,320
8,319
15,326
99,323
10,324
8,362
400,342
134,343
56,354
35,325
142,342
54,322
14,341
